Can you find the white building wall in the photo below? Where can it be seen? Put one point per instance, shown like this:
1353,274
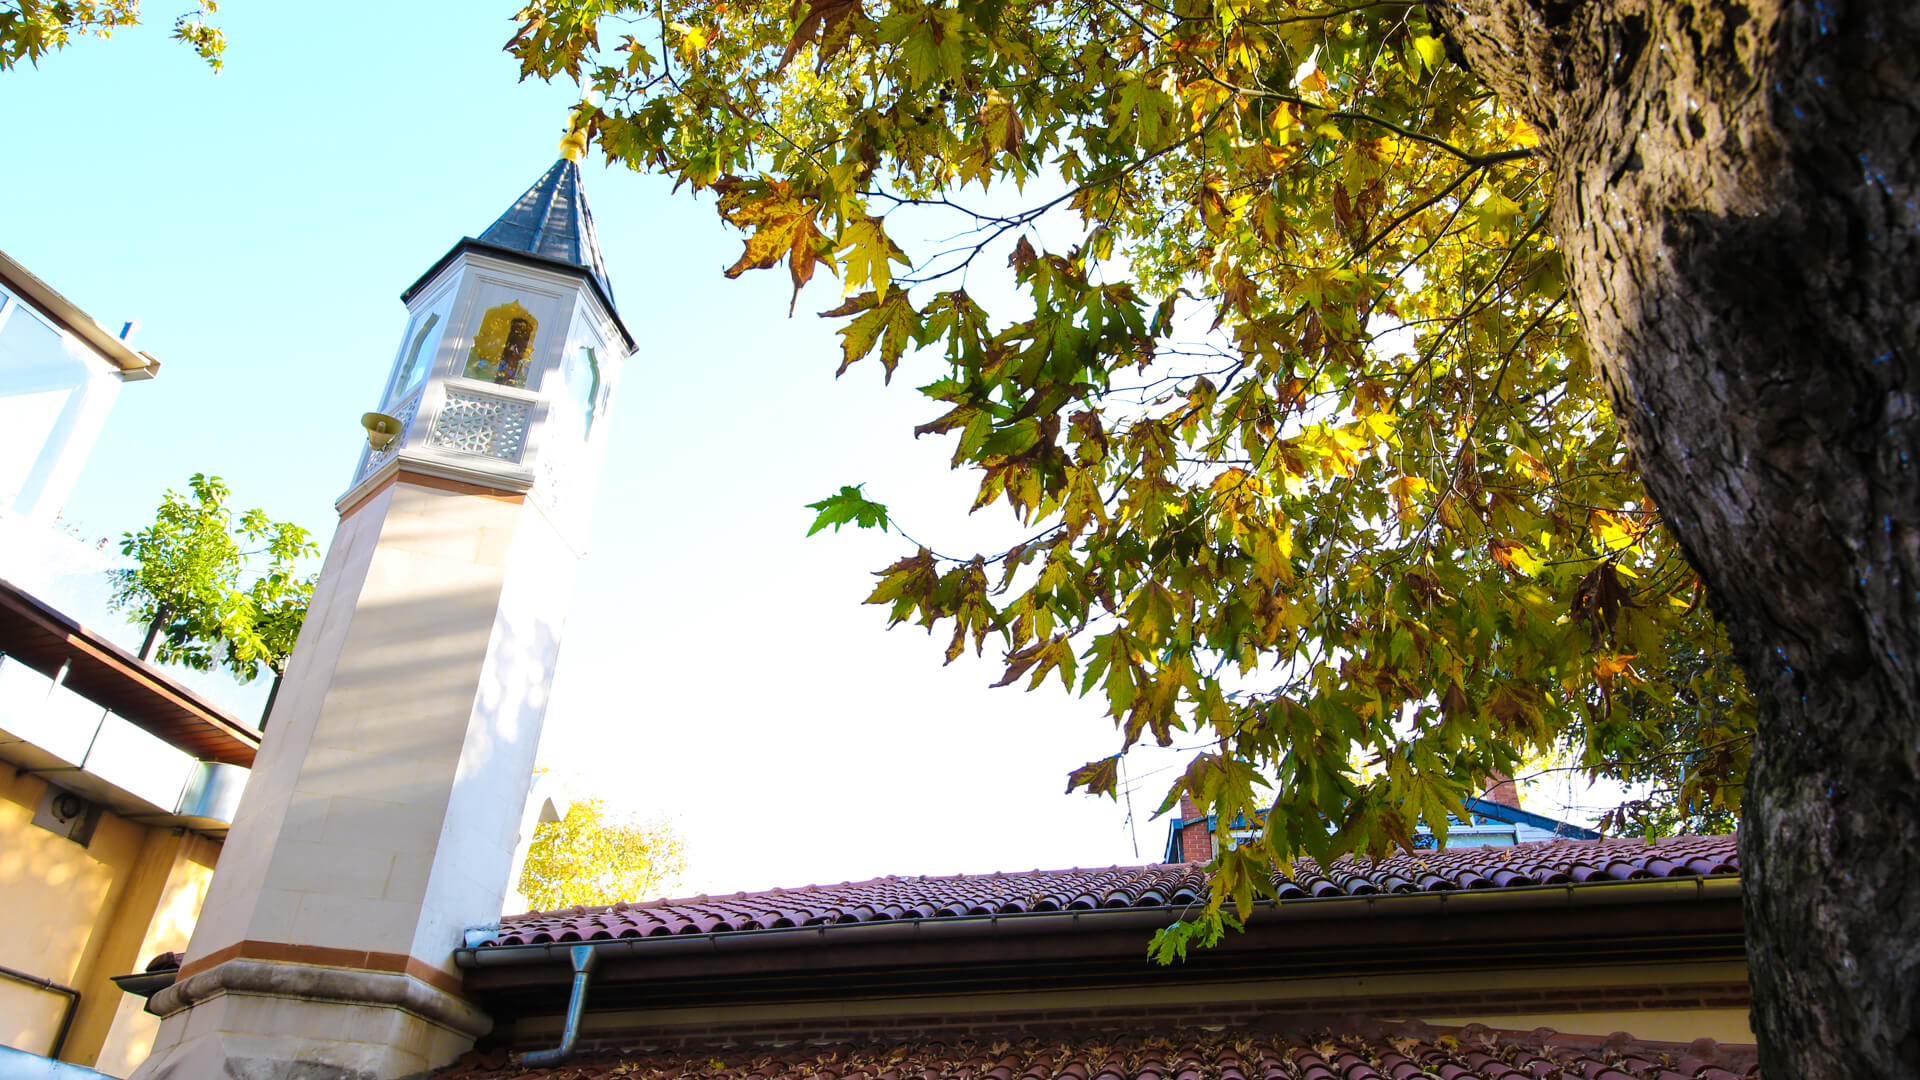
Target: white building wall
483,812
55,394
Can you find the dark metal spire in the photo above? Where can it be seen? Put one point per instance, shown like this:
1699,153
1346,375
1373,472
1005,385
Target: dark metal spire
549,226
552,221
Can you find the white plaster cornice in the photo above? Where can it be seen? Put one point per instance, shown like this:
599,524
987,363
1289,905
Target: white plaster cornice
510,480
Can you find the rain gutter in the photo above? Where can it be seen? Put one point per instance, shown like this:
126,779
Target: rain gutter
583,958
1584,895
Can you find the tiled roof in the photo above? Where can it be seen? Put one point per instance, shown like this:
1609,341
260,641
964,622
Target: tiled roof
1407,1052
1557,862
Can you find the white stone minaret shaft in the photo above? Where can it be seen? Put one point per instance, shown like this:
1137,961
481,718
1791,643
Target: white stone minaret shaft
381,816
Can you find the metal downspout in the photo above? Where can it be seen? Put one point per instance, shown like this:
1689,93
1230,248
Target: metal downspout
583,957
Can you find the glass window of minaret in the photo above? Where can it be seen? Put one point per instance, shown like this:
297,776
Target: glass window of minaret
503,345
583,386
422,348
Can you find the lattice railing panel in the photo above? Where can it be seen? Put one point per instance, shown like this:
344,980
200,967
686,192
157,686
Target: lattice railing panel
482,424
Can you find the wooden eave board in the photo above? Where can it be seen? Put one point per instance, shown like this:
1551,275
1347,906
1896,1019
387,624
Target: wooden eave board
101,671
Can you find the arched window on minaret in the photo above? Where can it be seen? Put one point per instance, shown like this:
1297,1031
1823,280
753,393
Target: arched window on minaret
583,387
502,351
422,347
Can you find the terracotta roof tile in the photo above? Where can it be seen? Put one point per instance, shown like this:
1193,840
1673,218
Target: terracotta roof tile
1472,1053
1554,862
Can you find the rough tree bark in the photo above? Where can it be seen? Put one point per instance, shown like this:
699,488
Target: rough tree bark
1736,186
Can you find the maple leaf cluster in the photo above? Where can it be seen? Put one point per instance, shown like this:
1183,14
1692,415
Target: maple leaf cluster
30,29
1314,474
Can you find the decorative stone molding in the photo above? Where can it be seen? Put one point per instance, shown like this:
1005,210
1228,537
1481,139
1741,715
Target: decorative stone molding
312,982
441,466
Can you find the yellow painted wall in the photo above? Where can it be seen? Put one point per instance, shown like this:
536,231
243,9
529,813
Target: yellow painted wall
79,915
176,907
52,887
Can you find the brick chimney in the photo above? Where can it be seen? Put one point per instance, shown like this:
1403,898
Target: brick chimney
1501,789
1196,840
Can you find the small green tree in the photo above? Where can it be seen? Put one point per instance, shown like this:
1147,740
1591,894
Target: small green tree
275,606
585,858
185,584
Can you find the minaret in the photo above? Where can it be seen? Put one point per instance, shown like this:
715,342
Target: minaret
380,819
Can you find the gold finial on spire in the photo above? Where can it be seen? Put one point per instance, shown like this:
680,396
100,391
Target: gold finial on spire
573,145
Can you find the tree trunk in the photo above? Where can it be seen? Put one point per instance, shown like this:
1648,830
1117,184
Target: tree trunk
273,692
152,643
1736,186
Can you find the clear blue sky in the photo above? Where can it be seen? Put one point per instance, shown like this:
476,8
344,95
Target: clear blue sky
718,667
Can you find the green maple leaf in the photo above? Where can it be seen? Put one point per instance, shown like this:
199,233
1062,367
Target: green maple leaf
848,507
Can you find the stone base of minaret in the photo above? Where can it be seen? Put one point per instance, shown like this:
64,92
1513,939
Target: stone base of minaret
269,1020
381,816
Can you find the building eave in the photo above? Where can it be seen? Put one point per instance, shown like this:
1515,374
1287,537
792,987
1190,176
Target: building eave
1691,919
132,363
44,639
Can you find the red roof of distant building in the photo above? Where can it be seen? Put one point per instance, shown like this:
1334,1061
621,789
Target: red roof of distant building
1404,1052
1559,862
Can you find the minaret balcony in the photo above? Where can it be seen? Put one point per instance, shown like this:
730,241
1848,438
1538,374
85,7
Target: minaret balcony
460,429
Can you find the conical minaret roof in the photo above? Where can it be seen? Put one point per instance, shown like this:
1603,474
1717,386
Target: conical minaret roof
552,221
549,225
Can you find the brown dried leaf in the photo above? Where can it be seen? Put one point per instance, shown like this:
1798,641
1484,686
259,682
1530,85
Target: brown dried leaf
1236,296
1023,255
1599,601
831,21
